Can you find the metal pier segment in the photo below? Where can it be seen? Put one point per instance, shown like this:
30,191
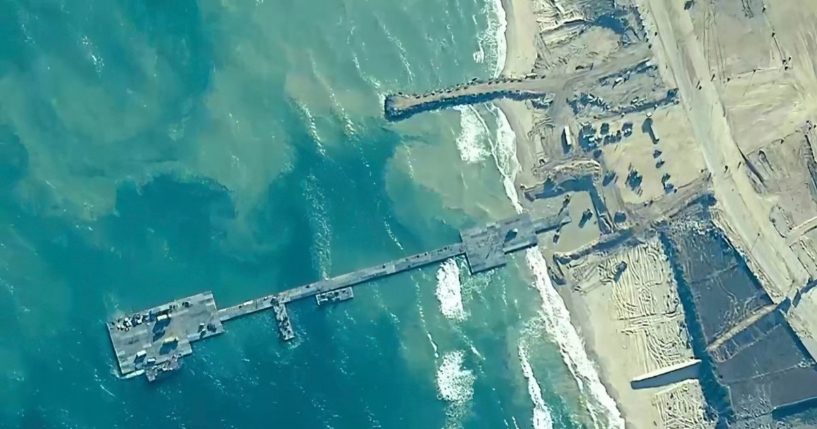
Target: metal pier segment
153,341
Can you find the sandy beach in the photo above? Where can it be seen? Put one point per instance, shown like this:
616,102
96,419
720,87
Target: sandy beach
521,34
620,350
520,57
666,128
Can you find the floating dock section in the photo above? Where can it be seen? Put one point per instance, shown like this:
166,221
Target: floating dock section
339,295
153,341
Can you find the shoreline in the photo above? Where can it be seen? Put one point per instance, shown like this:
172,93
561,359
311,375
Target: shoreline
521,53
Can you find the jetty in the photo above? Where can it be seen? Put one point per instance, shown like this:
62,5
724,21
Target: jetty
532,86
401,106
153,342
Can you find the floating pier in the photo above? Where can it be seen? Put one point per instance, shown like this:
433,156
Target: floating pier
339,295
153,341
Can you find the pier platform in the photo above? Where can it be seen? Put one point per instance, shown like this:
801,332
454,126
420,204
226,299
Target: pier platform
153,341
157,337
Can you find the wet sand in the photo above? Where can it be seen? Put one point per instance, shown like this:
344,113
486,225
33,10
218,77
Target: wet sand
592,312
521,54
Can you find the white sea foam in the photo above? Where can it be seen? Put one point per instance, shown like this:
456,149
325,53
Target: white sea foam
492,42
479,54
421,313
348,126
503,151
541,414
373,421
368,77
475,285
401,50
557,323
449,291
390,233
433,345
515,424
455,385
312,127
473,134
554,312
7,285
92,55
409,164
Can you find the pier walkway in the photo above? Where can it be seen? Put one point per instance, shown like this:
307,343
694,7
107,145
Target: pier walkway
342,281
153,341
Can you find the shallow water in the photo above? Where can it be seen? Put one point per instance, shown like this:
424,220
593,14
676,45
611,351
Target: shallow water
153,150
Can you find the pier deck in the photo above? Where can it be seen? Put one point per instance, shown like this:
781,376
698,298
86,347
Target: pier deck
342,281
163,333
153,341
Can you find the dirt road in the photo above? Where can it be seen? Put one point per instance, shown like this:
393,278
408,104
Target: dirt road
743,214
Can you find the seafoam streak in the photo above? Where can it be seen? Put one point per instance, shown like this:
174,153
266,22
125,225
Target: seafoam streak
503,152
473,133
321,229
401,50
312,127
541,414
554,311
491,43
492,47
557,323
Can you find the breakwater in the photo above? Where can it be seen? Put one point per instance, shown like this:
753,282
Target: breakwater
153,341
401,106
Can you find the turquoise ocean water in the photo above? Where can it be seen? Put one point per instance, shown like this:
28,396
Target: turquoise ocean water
154,149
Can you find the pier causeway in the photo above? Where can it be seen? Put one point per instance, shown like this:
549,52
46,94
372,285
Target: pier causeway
400,105
152,342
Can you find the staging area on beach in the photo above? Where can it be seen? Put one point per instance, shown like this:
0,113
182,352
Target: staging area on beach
669,130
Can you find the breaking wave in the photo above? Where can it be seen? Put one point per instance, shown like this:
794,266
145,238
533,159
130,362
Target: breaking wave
455,385
557,324
491,43
400,49
503,152
449,291
473,133
541,414
554,311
